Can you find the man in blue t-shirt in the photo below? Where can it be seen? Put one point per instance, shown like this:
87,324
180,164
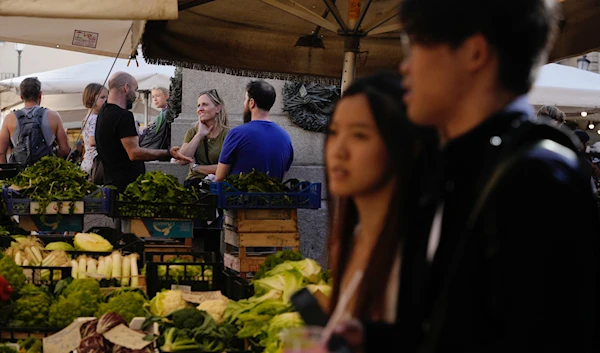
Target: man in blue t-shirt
259,143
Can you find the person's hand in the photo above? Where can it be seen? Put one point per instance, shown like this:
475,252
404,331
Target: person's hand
178,156
352,332
204,130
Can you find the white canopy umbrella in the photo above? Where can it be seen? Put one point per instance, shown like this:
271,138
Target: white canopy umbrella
107,27
566,87
62,88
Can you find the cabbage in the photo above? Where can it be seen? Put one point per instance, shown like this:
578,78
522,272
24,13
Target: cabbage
286,283
323,288
59,245
308,268
167,302
91,242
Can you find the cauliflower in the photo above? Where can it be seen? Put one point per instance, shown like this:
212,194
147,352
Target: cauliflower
12,272
215,308
128,305
32,310
167,302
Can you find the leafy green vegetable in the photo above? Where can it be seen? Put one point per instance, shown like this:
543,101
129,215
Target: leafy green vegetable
128,305
157,194
52,179
275,259
191,318
176,340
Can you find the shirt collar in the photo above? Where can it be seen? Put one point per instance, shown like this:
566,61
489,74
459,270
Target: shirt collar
520,105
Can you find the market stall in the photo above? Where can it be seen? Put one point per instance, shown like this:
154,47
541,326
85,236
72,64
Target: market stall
110,290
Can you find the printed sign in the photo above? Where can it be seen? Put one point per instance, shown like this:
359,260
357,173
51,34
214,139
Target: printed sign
126,337
85,39
65,340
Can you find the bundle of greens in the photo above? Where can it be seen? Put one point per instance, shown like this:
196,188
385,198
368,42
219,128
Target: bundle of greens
256,182
52,179
157,194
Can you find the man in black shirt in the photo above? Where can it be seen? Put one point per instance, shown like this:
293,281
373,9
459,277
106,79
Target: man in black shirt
500,250
117,139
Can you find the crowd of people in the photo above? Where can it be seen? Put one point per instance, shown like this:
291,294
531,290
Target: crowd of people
460,220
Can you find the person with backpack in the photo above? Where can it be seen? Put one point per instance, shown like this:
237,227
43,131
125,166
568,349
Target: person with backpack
32,132
501,253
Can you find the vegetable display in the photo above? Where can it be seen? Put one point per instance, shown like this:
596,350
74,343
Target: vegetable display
156,194
258,182
52,179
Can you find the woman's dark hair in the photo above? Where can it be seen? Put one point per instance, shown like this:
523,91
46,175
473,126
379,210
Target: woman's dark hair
90,93
384,94
519,31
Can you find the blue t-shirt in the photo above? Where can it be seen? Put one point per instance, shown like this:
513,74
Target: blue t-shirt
260,145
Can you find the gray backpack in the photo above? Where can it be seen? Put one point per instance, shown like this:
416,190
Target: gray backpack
32,144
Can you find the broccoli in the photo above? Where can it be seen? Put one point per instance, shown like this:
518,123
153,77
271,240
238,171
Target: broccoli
13,273
64,312
189,318
6,349
91,286
128,305
32,310
177,340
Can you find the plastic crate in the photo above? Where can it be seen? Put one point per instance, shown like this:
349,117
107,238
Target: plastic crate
234,287
10,170
98,202
199,283
127,243
203,209
35,275
303,195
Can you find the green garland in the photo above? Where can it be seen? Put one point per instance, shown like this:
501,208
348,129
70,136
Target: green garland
310,105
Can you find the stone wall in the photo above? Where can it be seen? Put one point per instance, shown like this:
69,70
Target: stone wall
308,146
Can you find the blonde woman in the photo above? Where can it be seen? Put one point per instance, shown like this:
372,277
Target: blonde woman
204,140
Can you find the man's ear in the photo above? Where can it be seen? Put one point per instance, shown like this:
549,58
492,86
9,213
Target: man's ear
476,52
251,103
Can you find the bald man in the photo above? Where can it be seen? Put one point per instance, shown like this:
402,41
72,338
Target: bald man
117,140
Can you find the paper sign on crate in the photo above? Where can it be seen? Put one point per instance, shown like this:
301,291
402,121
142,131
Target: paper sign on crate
158,228
53,207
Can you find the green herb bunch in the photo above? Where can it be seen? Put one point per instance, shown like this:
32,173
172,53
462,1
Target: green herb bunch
52,179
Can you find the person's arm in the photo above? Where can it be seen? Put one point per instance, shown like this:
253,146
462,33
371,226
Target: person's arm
222,171
191,142
61,135
5,136
137,153
92,141
206,169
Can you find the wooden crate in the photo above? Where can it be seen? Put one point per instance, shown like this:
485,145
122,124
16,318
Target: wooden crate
242,240
243,265
184,247
262,220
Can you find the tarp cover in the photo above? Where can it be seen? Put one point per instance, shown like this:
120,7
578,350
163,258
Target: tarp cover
251,37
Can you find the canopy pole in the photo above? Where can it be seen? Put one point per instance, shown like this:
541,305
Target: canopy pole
146,107
351,46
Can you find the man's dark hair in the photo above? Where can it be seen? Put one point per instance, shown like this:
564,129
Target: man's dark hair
519,31
30,88
262,93
552,112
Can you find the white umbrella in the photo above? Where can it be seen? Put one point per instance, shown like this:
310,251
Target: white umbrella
567,87
106,27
